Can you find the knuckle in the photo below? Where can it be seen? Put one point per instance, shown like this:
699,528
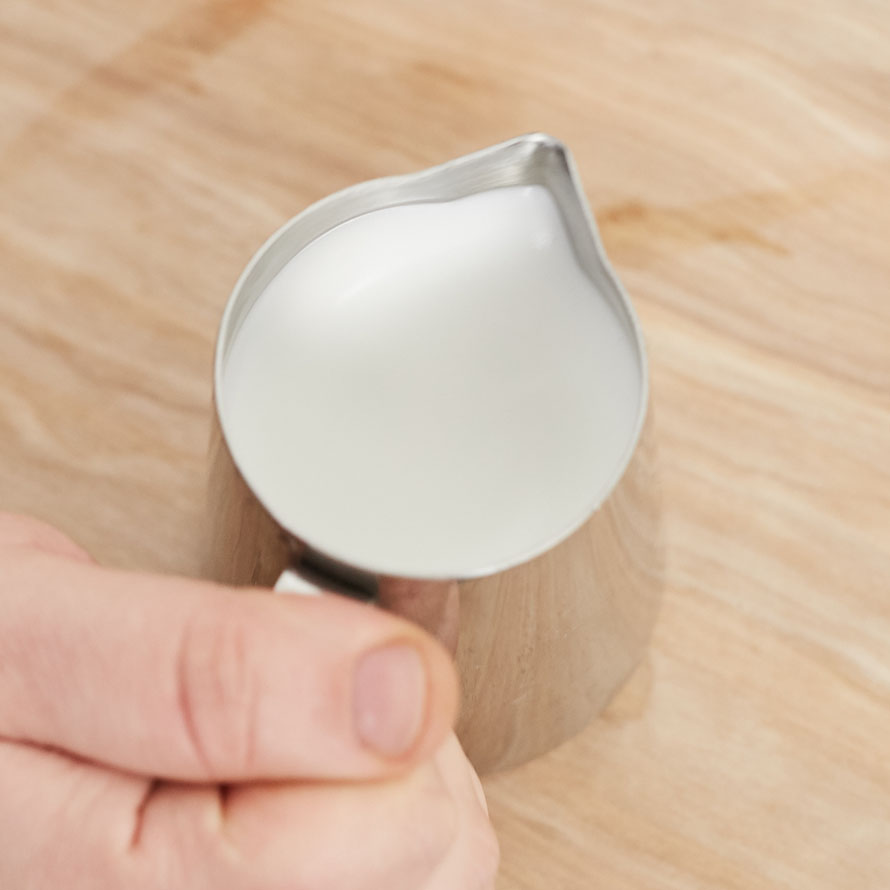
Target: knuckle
217,688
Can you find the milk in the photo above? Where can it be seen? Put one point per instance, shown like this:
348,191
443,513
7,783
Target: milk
434,389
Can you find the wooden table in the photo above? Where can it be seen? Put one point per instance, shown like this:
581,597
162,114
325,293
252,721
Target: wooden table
737,156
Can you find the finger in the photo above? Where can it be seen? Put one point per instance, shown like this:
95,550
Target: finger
27,532
424,829
480,792
433,605
190,680
356,836
472,861
178,843
63,823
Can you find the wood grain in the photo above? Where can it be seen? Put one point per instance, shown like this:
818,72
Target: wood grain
738,158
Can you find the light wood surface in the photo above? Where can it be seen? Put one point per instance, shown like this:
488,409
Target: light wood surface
738,158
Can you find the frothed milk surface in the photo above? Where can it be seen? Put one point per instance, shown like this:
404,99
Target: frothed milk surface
433,389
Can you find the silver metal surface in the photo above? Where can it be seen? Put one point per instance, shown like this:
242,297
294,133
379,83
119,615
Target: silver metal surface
545,642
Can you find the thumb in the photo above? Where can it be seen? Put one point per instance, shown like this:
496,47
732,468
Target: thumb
189,680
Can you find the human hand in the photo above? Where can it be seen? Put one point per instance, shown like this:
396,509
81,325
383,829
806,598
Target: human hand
159,732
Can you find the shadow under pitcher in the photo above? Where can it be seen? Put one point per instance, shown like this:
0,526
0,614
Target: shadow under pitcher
438,378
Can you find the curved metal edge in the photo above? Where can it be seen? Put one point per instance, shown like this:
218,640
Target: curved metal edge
532,159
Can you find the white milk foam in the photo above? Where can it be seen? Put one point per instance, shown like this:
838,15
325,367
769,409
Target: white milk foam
434,390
